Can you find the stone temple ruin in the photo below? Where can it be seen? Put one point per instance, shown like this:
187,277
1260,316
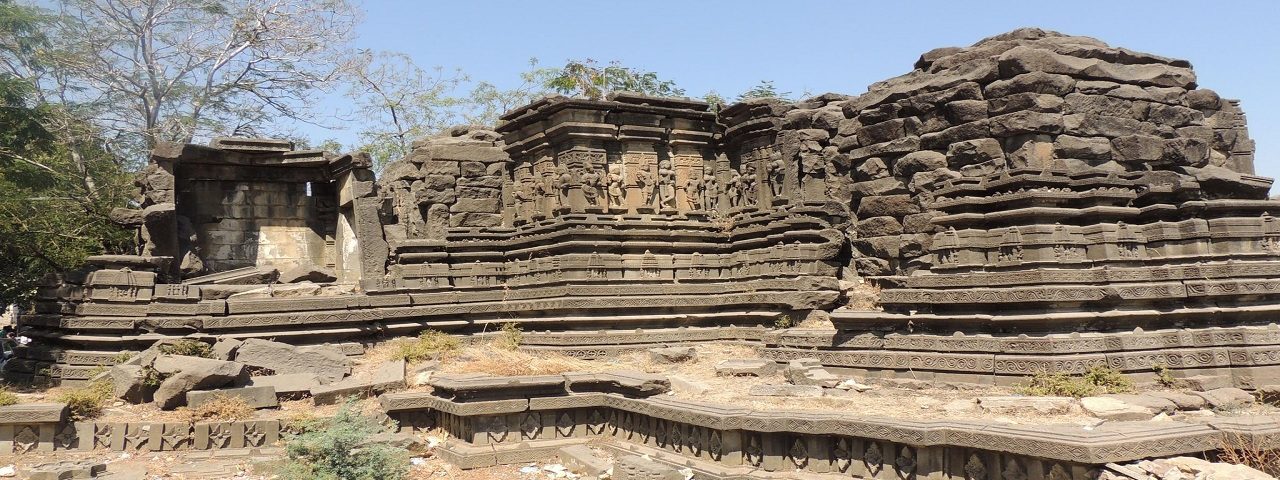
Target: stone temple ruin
1033,203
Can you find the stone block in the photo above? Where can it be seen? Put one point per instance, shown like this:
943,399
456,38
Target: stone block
328,363
887,205
921,161
28,413
1229,398
65,469
687,386
970,152
386,377
1036,102
965,111
1109,408
1034,82
1085,148
225,348
307,273
634,467
1183,401
881,186
809,372
193,373
289,385
255,396
624,382
582,460
128,382
1137,148
673,354
1018,404
806,391
758,367
878,227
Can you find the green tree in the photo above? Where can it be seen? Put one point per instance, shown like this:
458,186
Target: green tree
764,89
588,78
487,102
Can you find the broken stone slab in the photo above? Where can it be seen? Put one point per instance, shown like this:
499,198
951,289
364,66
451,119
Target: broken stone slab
1158,404
1201,383
193,373
256,275
1183,401
1229,398
1191,467
807,371
633,467
307,273
33,413
1014,404
421,374
582,460
388,376
686,386
66,469
256,397
1268,394
624,382
672,354
225,348
328,363
747,366
289,386
807,391
1110,408
853,385
128,382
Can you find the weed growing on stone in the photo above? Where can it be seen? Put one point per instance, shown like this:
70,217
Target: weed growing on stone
510,337
220,407
430,344
87,401
187,347
338,451
784,321
1165,377
1097,380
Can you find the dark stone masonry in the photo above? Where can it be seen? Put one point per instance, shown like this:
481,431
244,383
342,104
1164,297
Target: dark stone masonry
1036,202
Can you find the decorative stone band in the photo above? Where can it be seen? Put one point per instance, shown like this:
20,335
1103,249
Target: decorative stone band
492,432
44,428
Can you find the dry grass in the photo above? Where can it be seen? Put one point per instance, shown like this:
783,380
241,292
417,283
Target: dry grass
221,407
862,296
499,360
1236,448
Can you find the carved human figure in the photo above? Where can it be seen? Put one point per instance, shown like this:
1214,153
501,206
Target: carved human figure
777,175
524,196
710,190
615,185
666,185
591,183
750,188
564,180
733,190
694,193
644,180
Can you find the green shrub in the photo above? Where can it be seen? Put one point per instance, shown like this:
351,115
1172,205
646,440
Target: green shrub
510,337
784,321
187,347
429,344
336,452
1165,377
1096,381
7,398
87,401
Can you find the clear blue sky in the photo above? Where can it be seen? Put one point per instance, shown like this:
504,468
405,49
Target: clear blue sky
822,46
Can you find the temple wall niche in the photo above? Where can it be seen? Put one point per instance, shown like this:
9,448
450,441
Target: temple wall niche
245,223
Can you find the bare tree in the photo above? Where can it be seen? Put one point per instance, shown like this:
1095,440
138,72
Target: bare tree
175,70
397,102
